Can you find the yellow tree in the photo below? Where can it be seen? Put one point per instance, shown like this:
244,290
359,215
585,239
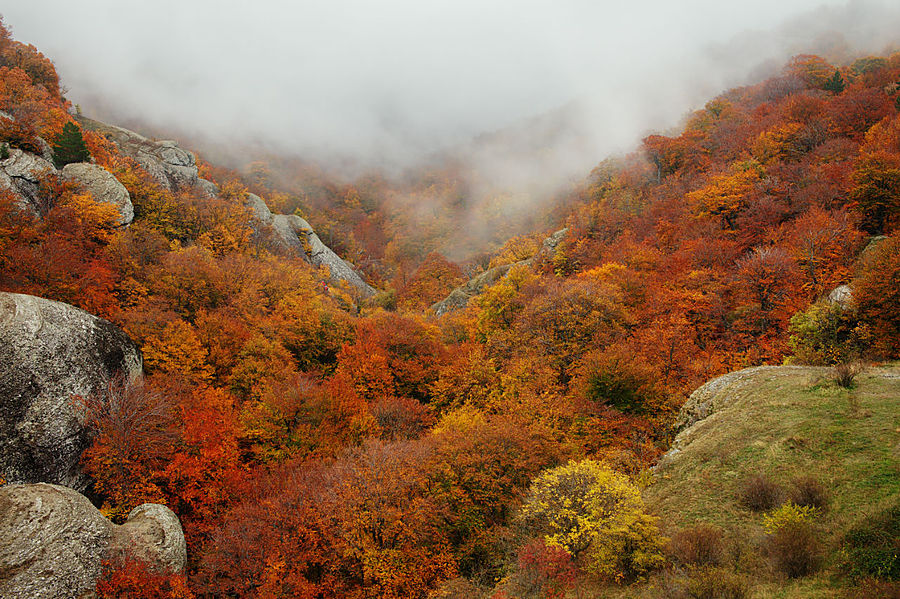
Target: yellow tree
177,350
597,515
726,195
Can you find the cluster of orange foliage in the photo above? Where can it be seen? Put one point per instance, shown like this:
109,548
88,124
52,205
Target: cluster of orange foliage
313,452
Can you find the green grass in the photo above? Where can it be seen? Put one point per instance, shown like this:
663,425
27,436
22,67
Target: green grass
785,423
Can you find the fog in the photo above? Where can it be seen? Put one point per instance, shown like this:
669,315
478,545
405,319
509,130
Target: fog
385,84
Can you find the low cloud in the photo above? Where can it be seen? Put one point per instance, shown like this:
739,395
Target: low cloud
550,86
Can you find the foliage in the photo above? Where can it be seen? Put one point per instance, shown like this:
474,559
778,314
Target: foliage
715,583
808,491
877,295
789,514
846,372
70,147
760,494
132,578
597,516
134,429
877,187
544,571
430,283
700,545
727,195
869,549
828,333
621,381
836,84
793,543
314,449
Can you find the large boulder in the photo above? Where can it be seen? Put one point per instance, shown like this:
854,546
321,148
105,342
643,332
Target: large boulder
153,535
53,542
51,354
103,186
22,173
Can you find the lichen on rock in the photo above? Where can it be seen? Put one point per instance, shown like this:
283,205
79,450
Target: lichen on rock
50,354
53,542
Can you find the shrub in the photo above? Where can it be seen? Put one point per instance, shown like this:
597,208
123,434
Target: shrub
827,333
872,547
715,583
760,494
878,589
132,578
20,135
846,372
544,571
787,515
700,545
808,491
457,588
617,379
598,516
792,542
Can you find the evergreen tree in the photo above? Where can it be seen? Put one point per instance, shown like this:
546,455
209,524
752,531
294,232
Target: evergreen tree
70,147
836,83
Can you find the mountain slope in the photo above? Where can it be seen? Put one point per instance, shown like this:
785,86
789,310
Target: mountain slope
786,423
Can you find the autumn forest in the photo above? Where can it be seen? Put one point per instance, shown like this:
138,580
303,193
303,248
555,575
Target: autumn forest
319,442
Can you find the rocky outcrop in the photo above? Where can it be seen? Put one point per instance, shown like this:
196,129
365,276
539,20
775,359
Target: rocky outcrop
459,297
153,535
291,234
51,353
53,541
716,395
171,165
841,295
103,186
22,173
320,255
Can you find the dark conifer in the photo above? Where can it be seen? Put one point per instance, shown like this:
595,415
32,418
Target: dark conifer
70,147
835,84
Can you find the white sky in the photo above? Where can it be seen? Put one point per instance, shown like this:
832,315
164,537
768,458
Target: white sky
387,81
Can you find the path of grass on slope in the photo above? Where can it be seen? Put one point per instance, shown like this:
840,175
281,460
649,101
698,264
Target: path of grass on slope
788,423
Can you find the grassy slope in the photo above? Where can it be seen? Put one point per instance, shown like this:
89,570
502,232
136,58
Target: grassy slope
785,422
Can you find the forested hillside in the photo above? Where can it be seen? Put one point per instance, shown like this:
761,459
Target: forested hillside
317,443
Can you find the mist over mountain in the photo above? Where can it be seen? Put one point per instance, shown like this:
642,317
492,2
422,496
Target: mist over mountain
365,85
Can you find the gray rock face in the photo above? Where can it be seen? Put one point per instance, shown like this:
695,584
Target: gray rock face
459,297
152,535
53,541
171,165
21,173
103,186
291,234
321,255
842,295
50,353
